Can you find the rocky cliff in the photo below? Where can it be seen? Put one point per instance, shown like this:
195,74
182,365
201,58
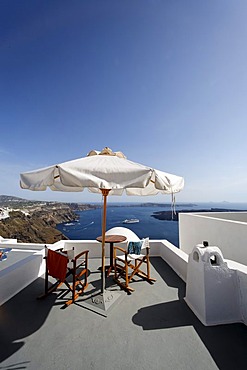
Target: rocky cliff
38,228
35,222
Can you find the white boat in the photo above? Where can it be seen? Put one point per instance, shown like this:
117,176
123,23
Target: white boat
131,221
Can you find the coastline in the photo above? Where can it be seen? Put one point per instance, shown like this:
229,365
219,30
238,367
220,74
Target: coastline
45,222
34,221
167,215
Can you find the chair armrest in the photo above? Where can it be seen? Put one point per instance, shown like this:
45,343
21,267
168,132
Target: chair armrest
115,249
120,249
80,254
147,249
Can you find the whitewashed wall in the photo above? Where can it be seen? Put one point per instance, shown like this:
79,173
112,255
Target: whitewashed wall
19,275
174,257
216,287
227,231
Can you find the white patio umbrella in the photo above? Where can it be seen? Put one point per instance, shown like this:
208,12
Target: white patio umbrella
106,172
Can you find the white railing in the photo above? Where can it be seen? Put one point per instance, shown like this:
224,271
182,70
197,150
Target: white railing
226,230
23,270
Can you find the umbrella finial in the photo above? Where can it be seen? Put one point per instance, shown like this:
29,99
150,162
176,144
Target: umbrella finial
106,151
93,152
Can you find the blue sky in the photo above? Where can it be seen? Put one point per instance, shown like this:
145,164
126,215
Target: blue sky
165,82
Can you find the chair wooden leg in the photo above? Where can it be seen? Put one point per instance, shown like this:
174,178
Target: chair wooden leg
46,280
122,271
137,271
80,264
77,281
74,279
52,288
126,275
148,267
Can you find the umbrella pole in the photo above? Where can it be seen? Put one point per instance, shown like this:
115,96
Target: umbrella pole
105,193
102,301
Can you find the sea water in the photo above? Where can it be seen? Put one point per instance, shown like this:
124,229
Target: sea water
88,226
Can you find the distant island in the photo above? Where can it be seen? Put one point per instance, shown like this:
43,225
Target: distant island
149,204
167,215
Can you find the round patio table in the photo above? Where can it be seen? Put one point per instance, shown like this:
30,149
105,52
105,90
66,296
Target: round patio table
111,239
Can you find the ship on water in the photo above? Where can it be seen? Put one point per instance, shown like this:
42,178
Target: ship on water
131,221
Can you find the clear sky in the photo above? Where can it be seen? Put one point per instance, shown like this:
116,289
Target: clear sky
165,82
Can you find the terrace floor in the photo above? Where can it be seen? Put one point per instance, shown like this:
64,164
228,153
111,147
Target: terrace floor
151,329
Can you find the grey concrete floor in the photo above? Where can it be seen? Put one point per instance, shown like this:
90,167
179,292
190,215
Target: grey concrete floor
151,329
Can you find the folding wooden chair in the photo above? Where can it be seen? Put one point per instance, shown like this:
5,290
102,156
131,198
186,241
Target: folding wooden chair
129,263
63,264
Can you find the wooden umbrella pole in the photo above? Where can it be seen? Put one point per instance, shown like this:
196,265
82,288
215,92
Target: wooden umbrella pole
105,193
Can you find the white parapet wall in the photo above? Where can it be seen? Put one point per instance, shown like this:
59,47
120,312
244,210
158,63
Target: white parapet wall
18,270
94,247
4,240
173,256
25,262
226,230
176,258
216,289
241,272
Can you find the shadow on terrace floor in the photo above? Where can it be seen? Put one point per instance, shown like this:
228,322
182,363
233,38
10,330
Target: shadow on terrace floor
24,314
20,318
226,343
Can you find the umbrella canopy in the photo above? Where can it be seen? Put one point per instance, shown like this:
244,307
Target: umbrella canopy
105,172
102,171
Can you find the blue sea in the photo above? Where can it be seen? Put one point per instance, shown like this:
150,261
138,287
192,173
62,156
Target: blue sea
88,225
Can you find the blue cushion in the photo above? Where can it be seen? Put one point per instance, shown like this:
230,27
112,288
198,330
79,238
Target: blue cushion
134,247
5,250
3,253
